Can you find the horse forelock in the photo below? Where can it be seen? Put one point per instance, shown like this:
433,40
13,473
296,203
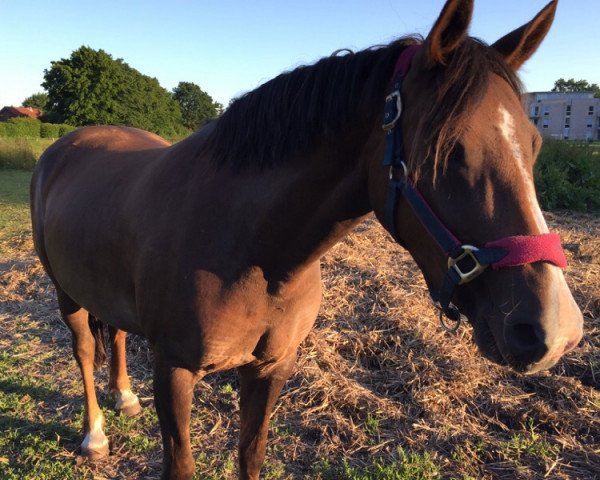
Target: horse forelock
457,89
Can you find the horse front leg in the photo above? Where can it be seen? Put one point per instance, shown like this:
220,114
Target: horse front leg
259,388
126,401
173,392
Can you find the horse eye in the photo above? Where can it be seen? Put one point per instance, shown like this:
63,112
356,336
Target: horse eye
457,155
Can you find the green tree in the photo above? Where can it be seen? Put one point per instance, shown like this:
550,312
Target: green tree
196,105
92,88
37,100
572,85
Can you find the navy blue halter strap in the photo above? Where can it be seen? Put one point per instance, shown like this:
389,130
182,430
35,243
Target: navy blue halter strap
465,262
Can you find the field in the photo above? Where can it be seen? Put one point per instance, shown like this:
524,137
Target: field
22,153
380,392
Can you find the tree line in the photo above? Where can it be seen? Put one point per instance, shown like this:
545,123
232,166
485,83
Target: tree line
572,85
92,88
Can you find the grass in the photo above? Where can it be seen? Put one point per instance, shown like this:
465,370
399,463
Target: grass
379,393
14,205
408,466
32,445
22,153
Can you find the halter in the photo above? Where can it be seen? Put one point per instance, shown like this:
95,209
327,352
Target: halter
465,262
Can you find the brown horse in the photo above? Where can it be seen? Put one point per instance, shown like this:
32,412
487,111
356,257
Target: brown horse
210,248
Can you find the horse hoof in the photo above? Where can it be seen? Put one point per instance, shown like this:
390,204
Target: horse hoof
95,454
127,403
131,410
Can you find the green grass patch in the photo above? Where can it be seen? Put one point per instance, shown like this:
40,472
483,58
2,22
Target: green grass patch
567,175
14,205
409,466
31,445
529,443
372,425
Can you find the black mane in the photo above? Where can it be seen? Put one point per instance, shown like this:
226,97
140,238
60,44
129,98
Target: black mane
284,116
287,115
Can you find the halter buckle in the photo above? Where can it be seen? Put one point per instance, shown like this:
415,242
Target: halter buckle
474,272
390,107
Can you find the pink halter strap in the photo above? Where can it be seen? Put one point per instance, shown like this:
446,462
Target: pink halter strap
524,249
405,59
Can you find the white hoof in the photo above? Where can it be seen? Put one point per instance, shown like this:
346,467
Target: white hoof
95,443
127,403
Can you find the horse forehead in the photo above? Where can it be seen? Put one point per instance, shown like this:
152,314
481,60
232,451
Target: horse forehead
500,121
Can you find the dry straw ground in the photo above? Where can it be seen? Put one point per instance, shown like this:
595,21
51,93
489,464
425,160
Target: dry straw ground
379,392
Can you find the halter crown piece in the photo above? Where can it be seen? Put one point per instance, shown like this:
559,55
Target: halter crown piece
465,262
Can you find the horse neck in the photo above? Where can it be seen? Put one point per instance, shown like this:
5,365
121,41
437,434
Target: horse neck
292,214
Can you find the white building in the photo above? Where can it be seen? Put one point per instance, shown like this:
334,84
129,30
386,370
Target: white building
565,115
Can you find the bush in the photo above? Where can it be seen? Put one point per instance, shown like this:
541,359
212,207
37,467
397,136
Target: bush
567,175
31,128
64,129
20,127
49,130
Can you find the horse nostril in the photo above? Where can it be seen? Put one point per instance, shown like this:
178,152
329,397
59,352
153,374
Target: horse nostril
526,342
524,335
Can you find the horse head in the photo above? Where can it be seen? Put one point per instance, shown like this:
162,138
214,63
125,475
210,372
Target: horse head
469,151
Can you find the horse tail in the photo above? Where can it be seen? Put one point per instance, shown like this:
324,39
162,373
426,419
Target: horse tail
98,331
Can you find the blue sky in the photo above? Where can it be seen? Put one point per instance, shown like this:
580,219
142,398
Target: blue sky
229,46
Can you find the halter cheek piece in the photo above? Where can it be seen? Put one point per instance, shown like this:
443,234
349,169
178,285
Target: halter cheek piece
465,262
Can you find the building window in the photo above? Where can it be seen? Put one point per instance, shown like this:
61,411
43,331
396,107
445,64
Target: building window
535,121
567,122
536,110
568,109
546,110
590,125
545,123
591,110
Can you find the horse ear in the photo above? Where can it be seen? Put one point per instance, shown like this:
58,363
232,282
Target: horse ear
449,30
519,45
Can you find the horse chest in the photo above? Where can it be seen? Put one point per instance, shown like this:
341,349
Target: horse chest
246,325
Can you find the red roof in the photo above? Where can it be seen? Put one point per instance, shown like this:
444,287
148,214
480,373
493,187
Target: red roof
23,111
29,111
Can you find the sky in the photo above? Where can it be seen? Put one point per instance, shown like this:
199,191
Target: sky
228,47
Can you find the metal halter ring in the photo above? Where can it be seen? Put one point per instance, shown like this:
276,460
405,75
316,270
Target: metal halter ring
445,326
443,314
404,168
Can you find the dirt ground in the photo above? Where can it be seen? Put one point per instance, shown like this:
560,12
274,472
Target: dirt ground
377,379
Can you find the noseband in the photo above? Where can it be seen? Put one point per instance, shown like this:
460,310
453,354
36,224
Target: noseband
465,262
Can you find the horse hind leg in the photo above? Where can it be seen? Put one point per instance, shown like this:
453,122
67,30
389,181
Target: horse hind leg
119,387
95,443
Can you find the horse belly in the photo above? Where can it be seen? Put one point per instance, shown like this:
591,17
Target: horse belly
106,295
